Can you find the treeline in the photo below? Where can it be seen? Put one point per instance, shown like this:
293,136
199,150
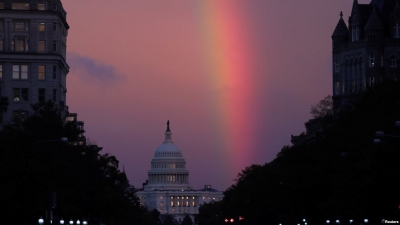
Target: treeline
41,171
334,173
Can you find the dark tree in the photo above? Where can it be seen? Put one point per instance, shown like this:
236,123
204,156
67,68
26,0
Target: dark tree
169,220
187,220
40,172
337,173
323,108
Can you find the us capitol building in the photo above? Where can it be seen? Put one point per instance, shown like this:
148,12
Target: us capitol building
167,188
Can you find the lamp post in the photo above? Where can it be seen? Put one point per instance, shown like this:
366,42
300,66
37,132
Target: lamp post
381,134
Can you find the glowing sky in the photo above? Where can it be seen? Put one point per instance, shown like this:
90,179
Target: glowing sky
235,78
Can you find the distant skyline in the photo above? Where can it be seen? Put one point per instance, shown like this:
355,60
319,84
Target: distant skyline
235,78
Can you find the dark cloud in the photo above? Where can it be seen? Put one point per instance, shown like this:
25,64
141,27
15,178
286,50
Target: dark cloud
92,70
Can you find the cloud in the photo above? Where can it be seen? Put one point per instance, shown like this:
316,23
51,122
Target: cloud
91,70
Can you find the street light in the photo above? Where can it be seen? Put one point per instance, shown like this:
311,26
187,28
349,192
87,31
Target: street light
78,222
71,222
41,221
365,220
381,134
328,221
61,221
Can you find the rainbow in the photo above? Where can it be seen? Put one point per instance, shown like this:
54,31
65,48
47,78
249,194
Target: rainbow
228,56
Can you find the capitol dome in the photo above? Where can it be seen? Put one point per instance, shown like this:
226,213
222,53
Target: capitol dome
168,148
168,167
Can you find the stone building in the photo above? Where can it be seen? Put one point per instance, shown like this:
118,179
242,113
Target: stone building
33,67
366,51
167,188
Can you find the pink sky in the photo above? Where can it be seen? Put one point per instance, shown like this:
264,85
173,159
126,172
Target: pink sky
136,64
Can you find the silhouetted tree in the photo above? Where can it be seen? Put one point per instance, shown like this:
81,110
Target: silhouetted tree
187,220
169,220
323,108
40,172
340,174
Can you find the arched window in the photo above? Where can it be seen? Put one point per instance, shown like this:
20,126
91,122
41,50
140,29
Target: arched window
396,31
393,61
371,61
357,34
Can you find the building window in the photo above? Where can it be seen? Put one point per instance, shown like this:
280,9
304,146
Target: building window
1,5
42,27
19,45
41,72
41,6
1,72
54,72
20,94
42,46
20,72
54,95
19,26
54,26
392,61
19,115
54,46
337,88
371,61
42,95
1,45
20,6
353,34
396,31
357,34
337,70
1,25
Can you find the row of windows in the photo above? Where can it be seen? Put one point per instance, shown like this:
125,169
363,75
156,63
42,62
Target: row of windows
353,85
393,61
355,34
22,95
179,204
22,45
21,72
172,165
371,62
24,6
23,26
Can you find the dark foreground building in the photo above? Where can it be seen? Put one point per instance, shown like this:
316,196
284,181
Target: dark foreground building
366,51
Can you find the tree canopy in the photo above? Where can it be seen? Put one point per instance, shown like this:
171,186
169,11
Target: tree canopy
40,172
338,174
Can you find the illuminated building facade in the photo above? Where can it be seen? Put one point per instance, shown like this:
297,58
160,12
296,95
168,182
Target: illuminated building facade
167,188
